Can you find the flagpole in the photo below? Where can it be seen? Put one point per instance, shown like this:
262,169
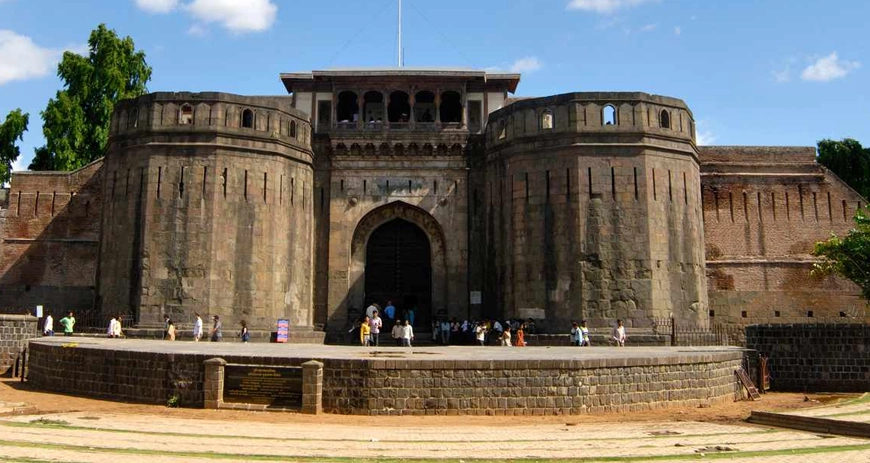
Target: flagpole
399,52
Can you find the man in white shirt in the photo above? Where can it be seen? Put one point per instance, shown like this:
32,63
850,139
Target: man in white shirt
48,327
197,328
375,323
407,334
116,330
110,331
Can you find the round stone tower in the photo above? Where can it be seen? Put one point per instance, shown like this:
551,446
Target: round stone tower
594,210
207,208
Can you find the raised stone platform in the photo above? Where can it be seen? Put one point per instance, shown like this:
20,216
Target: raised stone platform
394,381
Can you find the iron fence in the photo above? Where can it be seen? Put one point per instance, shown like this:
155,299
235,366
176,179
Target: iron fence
684,334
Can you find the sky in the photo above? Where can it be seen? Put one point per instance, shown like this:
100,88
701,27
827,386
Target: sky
754,72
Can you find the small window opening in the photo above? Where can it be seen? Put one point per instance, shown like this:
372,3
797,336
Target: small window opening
712,313
347,109
744,314
843,315
399,109
809,314
777,313
185,116
292,129
502,129
248,119
608,115
665,119
133,121
547,120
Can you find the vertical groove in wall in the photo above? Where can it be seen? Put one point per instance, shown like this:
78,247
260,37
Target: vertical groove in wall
731,204
54,198
685,189
204,179
245,188
527,187
716,202
830,209
18,206
435,186
745,207
773,204
670,188
589,177
655,193
224,179
293,190
801,198
181,183
636,190
815,206
281,189
159,180
760,219
787,208
613,182
265,186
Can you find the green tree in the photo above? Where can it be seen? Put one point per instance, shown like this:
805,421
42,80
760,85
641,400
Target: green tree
849,160
76,120
848,257
11,131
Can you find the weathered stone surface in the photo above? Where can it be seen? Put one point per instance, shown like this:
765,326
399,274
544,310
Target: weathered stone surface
15,330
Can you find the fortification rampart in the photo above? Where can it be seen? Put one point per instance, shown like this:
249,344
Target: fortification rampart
50,240
764,209
593,210
208,209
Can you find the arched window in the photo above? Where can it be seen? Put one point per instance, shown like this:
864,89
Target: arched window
347,110
547,120
608,115
665,119
399,109
502,129
373,108
185,115
248,119
424,107
133,121
292,129
451,107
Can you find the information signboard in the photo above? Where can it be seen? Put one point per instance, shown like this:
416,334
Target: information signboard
263,385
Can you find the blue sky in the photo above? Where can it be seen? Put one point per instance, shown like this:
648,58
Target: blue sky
776,72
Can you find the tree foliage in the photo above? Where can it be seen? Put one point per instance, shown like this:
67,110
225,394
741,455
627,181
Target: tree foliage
11,131
76,120
849,160
848,257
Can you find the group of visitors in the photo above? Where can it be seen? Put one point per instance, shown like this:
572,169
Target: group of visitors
484,332
371,325
68,323
580,334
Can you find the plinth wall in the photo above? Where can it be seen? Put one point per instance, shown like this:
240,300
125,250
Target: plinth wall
388,386
15,330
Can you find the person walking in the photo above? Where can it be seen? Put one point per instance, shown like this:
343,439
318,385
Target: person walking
375,323
521,336
170,331
506,337
216,335
245,334
584,334
480,333
116,331
69,324
110,331
619,334
365,332
390,310
407,334
197,328
48,327
165,326
576,335
397,332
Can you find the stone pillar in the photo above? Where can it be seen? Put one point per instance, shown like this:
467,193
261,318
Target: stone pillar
213,387
312,387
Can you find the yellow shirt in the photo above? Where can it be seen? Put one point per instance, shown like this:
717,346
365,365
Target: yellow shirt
364,330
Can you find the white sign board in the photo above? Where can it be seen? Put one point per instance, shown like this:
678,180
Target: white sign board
476,297
39,311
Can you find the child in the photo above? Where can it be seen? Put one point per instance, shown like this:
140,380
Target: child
365,332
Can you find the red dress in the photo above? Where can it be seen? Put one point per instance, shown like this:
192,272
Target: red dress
521,340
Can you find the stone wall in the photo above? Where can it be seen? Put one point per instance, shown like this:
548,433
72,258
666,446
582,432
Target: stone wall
764,209
814,357
594,220
410,386
15,330
50,240
208,209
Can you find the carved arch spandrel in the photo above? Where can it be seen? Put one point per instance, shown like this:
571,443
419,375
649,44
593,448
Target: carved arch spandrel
381,215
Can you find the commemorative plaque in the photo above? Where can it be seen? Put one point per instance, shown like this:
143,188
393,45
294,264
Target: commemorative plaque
263,385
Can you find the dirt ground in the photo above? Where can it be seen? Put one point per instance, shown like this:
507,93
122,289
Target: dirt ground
29,401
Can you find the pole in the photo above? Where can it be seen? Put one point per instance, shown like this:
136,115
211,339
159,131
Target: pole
399,51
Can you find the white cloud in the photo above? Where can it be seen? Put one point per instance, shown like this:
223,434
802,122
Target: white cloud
21,59
703,134
649,28
829,68
605,6
197,30
526,64
23,161
156,6
678,30
235,15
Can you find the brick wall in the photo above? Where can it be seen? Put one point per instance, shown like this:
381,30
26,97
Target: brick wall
15,330
764,209
814,357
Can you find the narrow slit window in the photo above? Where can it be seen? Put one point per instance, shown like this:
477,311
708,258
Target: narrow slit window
527,187
224,181
204,179
245,187
815,207
801,198
181,184
745,207
547,120
670,188
665,119
159,180
613,182
589,177
731,204
773,204
248,119
787,208
185,115
265,186
655,193
716,203
830,209
760,218
636,189
685,190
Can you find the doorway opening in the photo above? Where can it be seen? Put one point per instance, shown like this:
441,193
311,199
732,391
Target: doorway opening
399,269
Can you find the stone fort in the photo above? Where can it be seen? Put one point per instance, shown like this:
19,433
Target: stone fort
433,188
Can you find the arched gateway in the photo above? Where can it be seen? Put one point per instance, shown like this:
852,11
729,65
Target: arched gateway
398,254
